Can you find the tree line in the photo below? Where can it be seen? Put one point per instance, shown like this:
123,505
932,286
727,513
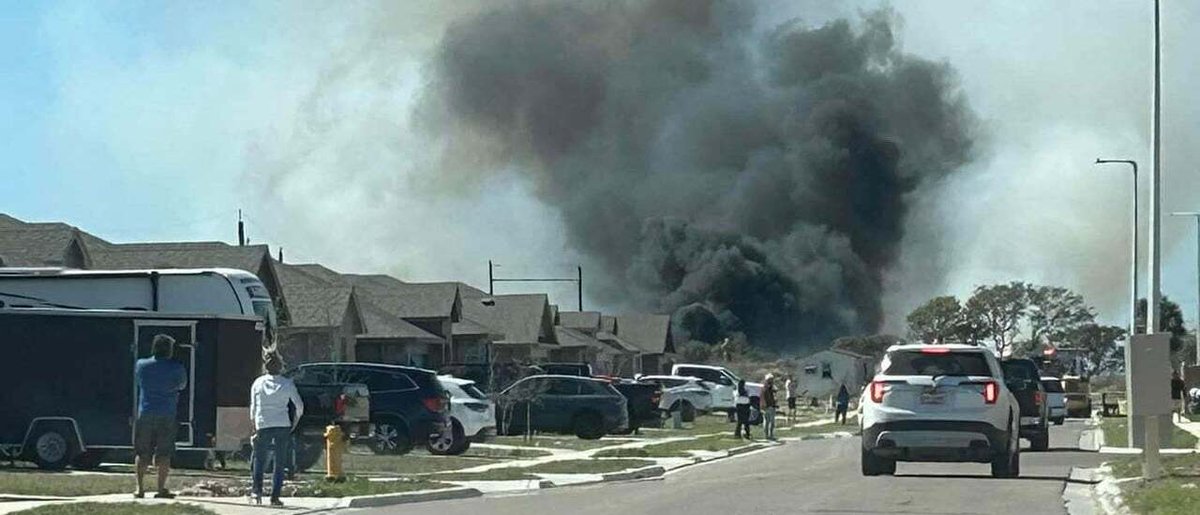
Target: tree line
1022,319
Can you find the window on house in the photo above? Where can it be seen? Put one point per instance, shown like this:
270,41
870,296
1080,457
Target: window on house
826,370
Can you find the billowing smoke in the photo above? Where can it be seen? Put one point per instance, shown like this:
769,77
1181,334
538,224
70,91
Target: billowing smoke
748,175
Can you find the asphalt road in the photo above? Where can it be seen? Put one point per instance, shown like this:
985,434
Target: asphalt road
819,476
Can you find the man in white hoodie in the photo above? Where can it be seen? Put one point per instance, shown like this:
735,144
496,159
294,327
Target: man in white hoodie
270,396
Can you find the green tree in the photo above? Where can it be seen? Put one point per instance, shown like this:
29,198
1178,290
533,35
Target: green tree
936,320
1053,313
994,312
1170,320
1097,346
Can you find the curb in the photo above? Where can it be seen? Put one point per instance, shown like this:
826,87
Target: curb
1078,497
375,501
629,475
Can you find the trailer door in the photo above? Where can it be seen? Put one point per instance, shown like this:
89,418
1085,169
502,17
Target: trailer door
184,333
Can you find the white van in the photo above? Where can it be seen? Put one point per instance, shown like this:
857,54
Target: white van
205,291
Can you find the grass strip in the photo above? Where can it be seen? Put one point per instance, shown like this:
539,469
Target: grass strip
122,508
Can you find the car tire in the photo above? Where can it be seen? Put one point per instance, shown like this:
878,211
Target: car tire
451,444
1059,421
873,465
588,426
306,453
390,436
52,447
687,412
1041,441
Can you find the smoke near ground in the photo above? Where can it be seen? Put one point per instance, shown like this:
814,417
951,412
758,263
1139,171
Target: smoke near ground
748,176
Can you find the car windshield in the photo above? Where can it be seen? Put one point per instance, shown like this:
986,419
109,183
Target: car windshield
916,363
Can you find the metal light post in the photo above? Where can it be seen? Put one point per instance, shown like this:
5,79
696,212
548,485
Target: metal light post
1195,215
1133,275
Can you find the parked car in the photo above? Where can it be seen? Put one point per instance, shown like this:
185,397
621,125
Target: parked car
347,405
472,417
408,404
723,381
688,395
940,403
1023,378
1078,393
1056,399
642,401
586,407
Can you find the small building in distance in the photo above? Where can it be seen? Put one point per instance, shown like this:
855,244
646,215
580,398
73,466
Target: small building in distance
819,375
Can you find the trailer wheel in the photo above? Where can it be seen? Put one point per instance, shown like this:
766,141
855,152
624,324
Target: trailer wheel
51,446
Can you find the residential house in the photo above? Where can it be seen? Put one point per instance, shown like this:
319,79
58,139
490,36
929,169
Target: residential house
37,244
525,321
324,318
652,335
822,373
578,333
628,360
432,307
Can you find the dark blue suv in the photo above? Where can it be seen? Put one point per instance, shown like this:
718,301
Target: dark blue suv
408,404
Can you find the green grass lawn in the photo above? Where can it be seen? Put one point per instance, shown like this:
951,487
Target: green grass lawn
1116,435
678,449
94,508
61,484
1181,465
354,486
1168,496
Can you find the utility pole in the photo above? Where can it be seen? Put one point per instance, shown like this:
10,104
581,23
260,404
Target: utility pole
1196,216
241,230
578,280
1151,462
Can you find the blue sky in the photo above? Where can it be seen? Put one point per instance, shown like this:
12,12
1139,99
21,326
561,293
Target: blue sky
158,120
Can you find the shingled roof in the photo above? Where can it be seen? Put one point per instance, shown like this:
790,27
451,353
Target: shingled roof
313,306
410,300
586,320
651,333
522,318
568,337
382,324
193,254
41,244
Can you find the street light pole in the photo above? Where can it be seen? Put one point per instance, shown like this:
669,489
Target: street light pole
1195,215
1133,274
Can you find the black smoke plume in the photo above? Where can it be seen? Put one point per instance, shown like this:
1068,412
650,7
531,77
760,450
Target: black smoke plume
747,175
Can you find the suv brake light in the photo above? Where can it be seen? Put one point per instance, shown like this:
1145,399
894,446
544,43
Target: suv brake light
935,350
991,392
877,391
339,405
433,403
1037,398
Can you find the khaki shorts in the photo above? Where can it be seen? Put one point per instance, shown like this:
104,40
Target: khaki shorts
154,435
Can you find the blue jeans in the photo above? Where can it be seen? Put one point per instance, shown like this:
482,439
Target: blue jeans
769,422
267,439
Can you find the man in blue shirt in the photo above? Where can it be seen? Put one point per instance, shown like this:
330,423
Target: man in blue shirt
159,380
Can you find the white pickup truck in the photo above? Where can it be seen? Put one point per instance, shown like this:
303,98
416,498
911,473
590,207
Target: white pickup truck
723,381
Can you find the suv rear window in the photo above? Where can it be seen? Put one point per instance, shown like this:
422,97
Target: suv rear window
1052,386
916,363
474,392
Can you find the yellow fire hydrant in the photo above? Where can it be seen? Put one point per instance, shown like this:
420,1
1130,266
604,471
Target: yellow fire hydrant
335,445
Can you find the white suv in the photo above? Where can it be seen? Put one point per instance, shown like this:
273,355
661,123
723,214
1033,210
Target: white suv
941,403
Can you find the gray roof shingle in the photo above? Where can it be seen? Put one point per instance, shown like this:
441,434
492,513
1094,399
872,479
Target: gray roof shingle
651,333
40,243
586,320
195,254
317,305
522,318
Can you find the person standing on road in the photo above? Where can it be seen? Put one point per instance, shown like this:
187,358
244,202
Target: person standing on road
159,380
1177,388
843,404
270,396
789,388
770,405
743,410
